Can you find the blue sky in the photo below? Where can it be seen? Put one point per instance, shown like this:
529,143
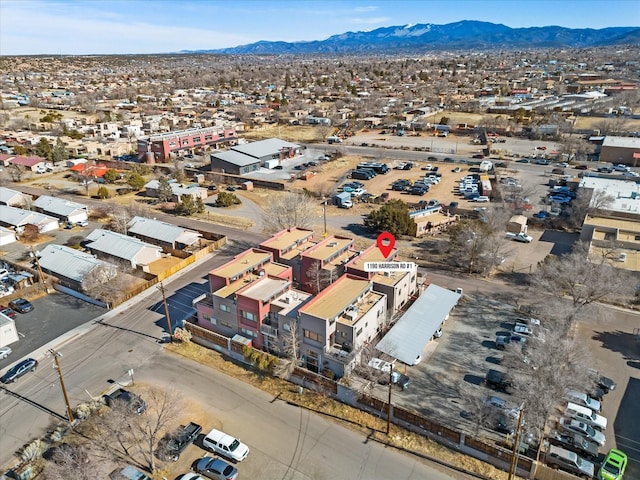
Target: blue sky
29,27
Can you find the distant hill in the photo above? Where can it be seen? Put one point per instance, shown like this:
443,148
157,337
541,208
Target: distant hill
464,35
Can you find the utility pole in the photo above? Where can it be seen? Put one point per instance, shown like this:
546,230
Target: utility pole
166,312
516,445
40,272
55,356
324,213
389,400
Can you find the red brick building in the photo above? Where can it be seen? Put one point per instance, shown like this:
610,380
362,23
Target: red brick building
163,145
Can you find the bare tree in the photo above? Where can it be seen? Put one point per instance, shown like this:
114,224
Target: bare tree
290,348
292,209
319,278
582,277
74,461
16,172
323,131
105,283
123,434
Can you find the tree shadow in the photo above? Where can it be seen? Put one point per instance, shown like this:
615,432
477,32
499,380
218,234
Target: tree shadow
625,343
562,241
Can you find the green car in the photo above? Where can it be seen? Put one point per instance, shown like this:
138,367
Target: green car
613,466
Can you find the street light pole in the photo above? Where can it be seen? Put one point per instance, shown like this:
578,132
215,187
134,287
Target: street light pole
166,313
389,400
55,356
324,214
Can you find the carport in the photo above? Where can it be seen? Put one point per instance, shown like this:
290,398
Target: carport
408,337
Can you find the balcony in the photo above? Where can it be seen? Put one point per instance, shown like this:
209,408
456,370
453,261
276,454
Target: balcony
269,331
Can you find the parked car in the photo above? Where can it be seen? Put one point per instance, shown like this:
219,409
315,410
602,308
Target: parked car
231,188
19,369
522,329
172,445
587,431
585,415
481,198
21,305
584,400
189,476
82,223
505,424
131,401
215,468
613,466
505,338
621,168
225,445
5,352
569,461
497,380
128,473
9,312
606,384
522,237
574,442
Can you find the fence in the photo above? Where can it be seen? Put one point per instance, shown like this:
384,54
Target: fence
239,179
453,438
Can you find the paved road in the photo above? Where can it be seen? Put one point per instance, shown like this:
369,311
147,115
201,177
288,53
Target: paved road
286,442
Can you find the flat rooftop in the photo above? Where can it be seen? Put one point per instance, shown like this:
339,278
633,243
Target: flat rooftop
371,255
287,239
241,264
626,193
328,247
336,297
265,288
613,222
389,278
363,306
298,250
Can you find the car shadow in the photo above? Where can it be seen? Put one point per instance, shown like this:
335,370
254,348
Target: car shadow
489,344
473,379
494,360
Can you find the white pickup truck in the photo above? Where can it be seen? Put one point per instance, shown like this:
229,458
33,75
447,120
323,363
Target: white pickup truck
397,378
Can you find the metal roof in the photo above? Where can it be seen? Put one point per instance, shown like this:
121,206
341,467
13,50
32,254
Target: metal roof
58,206
116,244
18,217
235,158
69,262
263,148
408,337
622,142
6,195
165,232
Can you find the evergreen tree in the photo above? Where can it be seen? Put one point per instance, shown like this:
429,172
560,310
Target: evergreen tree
393,217
164,189
60,152
43,149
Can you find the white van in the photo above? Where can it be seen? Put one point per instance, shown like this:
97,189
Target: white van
225,445
585,415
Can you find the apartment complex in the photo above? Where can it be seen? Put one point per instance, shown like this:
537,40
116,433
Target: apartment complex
258,296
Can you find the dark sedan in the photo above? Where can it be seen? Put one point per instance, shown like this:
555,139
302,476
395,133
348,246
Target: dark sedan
21,305
19,370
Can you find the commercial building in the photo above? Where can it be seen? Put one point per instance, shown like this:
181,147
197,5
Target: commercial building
625,150
161,147
250,157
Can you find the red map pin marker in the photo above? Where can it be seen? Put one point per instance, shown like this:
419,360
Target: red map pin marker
385,243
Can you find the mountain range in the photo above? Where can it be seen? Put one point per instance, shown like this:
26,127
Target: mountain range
464,35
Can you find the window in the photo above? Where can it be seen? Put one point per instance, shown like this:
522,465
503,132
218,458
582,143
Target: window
197,139
358,333
249,333
249,316
225,324
185,142
312,336
225,308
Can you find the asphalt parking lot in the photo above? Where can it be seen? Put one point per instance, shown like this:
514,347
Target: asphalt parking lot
52,316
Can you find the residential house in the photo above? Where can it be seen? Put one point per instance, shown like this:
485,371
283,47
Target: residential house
121,248
14,198
18,218
64,210
177,190
324,262
7,236
287,247
338,322
33,164
431,220
162,234
71,267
